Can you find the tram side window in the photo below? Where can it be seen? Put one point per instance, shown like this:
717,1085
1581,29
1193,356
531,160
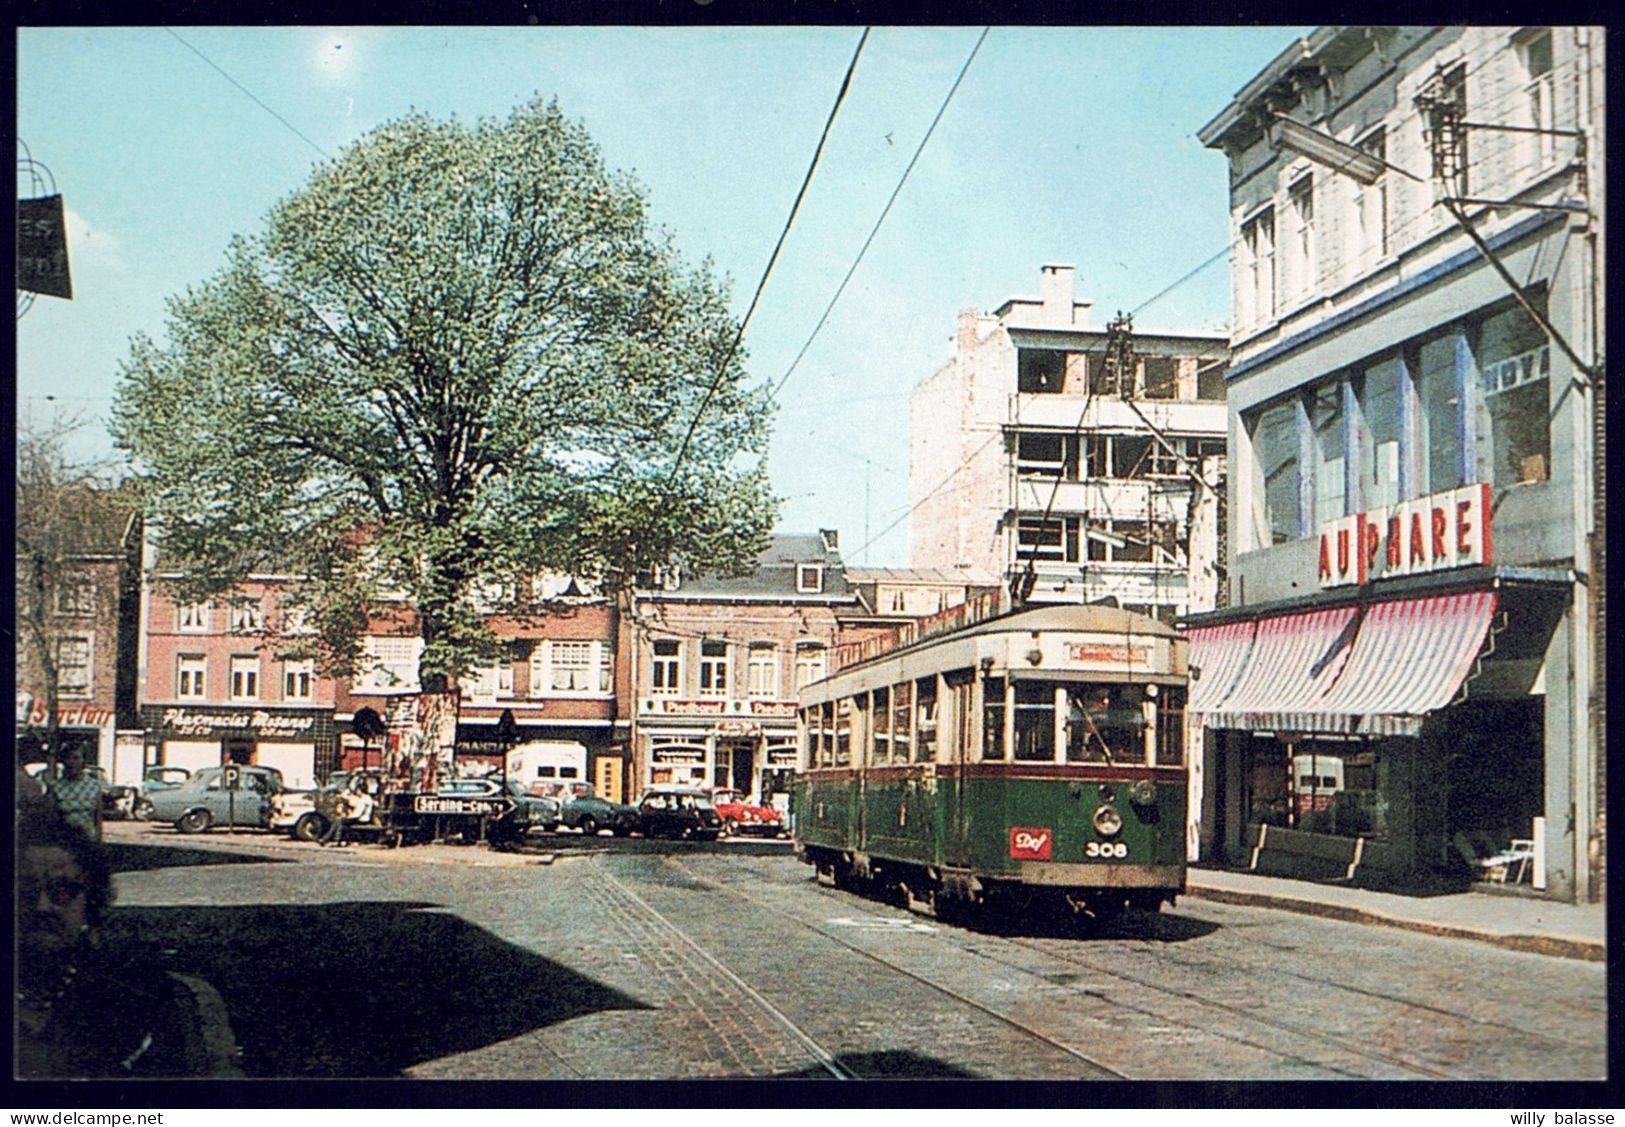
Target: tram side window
902,715
959,685
1171,727
1035,721
809,738
843,732
882,715
925,743
826,733
862,749
1105,724
993,718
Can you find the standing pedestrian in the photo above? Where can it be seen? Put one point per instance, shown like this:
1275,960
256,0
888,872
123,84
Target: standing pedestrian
77,793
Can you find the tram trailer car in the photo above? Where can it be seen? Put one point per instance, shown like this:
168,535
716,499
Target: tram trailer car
1030,762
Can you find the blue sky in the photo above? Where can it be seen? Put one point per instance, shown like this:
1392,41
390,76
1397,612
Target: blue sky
1073,145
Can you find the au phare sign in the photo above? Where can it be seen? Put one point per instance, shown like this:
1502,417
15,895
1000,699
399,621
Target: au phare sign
1434,533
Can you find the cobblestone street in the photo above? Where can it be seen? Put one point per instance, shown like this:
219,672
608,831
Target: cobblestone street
608,958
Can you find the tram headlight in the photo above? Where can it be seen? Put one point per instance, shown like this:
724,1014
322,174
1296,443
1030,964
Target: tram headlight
1141,792
1108,822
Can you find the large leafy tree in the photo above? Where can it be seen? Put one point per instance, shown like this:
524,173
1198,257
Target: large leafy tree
459,355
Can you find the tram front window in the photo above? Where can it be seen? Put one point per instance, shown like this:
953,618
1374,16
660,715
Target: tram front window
1035,721
1105,724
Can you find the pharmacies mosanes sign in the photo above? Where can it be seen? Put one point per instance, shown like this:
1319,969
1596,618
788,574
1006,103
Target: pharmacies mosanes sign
1433,533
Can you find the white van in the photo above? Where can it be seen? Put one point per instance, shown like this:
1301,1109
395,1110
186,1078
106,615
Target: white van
549,761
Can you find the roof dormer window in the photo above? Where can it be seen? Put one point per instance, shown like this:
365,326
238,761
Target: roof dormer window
809,579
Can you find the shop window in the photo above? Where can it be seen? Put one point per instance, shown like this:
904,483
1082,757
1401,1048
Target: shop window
1378,391
762,670
1160,377
190,675
1513,432
298,680
245,616
1040,370
1439,420
245,678
993,718
1326,424
713,668
1048,541
1035,721
812,661
193,618
76,596
925,713
1274,434
73,665
667,679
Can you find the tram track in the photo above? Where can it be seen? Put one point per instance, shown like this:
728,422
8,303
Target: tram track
1097,1069
1300,1033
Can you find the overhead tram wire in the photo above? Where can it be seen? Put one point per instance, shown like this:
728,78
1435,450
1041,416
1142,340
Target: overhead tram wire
249,93
722,369
885,211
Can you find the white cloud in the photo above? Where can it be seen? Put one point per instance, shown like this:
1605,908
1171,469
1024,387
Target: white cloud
91,246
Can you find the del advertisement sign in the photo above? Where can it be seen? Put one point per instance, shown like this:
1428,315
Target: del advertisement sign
1433,533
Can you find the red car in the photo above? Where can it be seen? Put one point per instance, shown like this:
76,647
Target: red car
740,816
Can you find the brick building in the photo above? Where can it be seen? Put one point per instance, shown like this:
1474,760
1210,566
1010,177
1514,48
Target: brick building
716,663
219,685
89,610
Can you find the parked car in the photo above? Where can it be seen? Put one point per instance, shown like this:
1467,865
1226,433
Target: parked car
741,816
307,814
584,810
229,795
118,799
530,812
158,777
671,811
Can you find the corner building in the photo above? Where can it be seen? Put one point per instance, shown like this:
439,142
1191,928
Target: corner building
1411,663
717,663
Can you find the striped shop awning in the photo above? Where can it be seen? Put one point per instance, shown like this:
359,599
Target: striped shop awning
1295,658
1410,659
1376,673
1217,655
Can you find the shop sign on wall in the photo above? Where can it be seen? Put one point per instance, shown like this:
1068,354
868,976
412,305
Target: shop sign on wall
1433,533
272,725
33,712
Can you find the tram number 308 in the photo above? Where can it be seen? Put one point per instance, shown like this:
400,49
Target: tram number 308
1106,849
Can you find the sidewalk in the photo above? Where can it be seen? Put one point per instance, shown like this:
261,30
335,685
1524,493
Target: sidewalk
1546,927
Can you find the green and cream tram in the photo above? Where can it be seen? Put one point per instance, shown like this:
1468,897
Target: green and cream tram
1031,759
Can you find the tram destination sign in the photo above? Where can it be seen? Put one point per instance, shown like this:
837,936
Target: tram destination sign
1433,533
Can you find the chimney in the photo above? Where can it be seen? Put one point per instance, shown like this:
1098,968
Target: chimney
1057,294
966,338
831,539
